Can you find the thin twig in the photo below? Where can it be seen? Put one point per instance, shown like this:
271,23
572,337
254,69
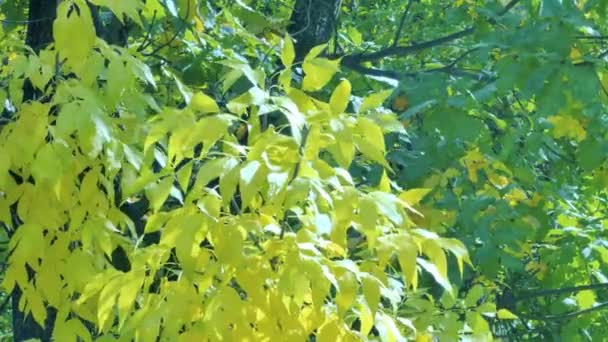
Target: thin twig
10,21
177,33
592,37
148,39
308,21
402,22
5,302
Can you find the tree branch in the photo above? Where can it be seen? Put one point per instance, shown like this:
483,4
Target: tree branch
404,50
449,69
508,7
553,292
352,61
566,315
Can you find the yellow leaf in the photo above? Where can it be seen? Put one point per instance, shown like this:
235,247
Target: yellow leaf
31,301
330,332
370,287
340,97
128,294
425,337
69,20
575,54
385,183
288,53
106,303
474,161
407,256
585,299
414,196
157,193
250,177
314,52
347,293
203,104
370,141
505,314
437,256
318,72
285,79
374,100
187,9
367,319
567,126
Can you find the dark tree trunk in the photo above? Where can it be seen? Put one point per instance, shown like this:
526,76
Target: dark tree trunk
313,22
41,15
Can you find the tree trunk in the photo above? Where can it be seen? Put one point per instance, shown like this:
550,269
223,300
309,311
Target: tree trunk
313,22
41,15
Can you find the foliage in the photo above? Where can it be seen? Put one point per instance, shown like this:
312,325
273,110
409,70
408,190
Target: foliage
203,183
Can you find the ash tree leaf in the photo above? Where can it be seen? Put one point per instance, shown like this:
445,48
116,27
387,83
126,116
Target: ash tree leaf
374,100
505,314
414,196
288,53
157,193
69,21
585,299
203,104
318,72
340,97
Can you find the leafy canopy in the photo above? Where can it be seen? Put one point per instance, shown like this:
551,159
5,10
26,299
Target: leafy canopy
203,183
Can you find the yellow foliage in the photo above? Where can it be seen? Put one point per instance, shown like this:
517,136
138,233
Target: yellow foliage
568,127
474,161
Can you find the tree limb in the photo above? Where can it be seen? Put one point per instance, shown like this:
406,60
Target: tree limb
449,69
553,292
352,60
404,50
508,7
566,315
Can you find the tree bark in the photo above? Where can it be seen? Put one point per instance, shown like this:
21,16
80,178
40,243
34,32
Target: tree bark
41,15
312,23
